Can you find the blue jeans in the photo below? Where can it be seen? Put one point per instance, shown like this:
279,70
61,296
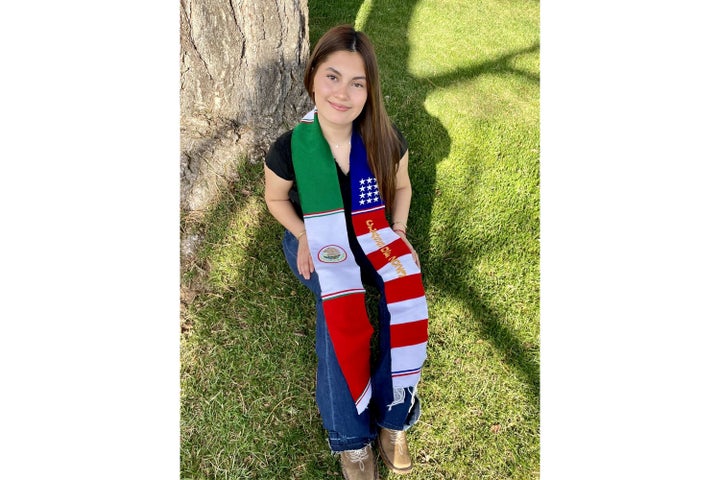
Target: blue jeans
389,408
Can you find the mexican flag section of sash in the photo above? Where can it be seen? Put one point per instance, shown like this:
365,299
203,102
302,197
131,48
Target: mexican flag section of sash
343,294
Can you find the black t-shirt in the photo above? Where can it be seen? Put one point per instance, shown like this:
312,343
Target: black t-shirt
279,160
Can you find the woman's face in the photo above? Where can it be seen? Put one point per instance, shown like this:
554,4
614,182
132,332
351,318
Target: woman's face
340,88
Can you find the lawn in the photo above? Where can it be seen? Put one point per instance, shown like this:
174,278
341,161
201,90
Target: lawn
461,81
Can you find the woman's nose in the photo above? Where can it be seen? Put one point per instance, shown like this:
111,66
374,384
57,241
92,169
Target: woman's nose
342,91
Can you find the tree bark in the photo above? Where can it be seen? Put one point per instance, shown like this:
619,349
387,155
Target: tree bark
241,68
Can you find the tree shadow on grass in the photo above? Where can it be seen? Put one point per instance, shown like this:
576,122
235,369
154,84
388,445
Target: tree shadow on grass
450,262
446,267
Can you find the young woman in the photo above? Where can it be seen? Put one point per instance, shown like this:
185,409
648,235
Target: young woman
332,182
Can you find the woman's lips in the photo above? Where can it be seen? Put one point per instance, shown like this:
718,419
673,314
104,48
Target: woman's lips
340,108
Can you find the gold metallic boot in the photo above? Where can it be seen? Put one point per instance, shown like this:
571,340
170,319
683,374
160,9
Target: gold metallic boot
394,450
359,464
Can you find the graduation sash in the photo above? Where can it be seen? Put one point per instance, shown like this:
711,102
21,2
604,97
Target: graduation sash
343,294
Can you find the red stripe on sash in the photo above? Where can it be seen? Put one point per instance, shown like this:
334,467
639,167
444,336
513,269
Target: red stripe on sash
404,288
386,254
367,222
350,331
405,334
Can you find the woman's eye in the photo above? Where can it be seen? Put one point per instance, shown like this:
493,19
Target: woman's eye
331,77
359,85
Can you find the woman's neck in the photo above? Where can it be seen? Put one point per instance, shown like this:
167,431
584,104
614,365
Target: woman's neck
336,135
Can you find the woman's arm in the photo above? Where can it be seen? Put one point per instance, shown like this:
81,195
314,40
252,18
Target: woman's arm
278,203
401,205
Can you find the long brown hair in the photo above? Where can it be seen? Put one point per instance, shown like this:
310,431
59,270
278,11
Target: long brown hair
381,141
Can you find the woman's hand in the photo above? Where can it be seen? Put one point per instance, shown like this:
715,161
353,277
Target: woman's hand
304,258
415,257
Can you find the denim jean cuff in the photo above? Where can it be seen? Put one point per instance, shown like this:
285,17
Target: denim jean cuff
340,444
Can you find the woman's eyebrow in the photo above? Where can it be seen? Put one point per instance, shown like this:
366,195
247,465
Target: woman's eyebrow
362,77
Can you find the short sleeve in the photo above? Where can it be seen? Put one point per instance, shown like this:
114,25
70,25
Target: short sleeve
279,157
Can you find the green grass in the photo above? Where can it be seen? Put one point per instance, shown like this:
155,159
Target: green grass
462,82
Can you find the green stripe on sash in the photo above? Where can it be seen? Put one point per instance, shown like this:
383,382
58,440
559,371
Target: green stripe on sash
317,165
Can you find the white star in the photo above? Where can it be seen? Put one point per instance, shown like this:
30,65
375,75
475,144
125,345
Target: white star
362,202
362,195
362,181
362,189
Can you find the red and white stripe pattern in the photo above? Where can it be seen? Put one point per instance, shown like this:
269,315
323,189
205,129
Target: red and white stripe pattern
404,293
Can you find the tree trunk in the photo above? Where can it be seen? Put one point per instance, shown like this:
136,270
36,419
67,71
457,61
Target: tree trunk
241,68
